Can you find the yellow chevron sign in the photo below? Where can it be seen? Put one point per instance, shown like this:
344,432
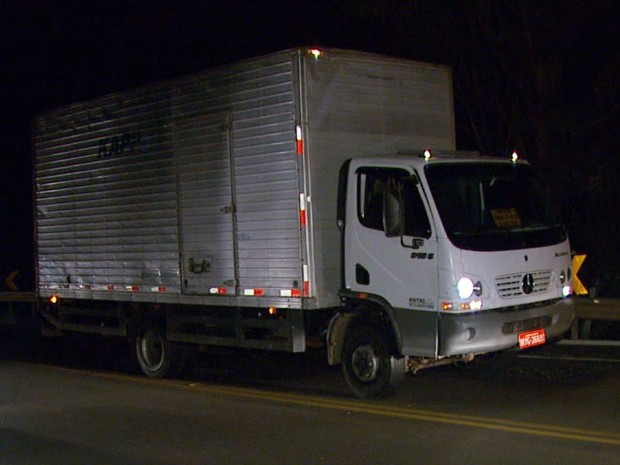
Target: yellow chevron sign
8,281
578,287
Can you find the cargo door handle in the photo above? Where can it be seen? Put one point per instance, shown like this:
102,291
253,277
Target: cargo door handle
227,209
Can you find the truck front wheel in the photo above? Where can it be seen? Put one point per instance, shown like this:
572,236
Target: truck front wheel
369,367
156,356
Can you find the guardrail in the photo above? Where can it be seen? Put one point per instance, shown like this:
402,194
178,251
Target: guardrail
591,309
16,308
16,296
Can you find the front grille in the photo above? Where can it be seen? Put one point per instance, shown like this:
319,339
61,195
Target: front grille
511,285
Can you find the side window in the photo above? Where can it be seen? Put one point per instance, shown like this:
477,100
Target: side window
371,187
416,223
382,192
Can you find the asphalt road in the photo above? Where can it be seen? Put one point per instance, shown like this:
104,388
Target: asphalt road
83,403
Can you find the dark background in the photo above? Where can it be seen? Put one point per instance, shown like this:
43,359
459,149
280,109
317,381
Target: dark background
539,76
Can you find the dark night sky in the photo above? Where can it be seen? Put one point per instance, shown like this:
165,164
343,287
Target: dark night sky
57,52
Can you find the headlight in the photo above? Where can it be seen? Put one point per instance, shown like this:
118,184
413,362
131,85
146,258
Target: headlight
567,291
465,287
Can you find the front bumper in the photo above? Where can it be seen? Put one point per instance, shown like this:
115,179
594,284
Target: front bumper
498,329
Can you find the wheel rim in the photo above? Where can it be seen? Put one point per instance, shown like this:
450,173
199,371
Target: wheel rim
152,350
365,363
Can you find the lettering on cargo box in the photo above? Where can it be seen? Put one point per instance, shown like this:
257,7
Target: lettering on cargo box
120,144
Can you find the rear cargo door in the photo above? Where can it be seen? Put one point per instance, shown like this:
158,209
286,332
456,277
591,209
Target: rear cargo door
206,205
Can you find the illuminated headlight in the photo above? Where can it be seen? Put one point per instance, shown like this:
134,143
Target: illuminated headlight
467,288
566,291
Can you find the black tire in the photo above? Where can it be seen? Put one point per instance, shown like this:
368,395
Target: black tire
370,368
157,357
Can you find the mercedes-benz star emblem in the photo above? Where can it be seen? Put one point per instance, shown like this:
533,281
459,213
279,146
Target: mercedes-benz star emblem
528,284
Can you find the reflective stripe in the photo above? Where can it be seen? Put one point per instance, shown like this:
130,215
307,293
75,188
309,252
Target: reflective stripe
253,292
302,209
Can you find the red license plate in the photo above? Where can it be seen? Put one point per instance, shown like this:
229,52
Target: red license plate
532,338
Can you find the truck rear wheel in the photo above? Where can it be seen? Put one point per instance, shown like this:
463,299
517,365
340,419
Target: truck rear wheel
369,367
155,354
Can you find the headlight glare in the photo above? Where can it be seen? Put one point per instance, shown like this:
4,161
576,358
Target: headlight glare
567,291
465,287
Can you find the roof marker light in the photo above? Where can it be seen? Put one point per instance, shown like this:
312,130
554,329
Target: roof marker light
315,52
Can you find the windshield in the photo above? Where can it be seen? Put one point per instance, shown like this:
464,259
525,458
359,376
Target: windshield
494,206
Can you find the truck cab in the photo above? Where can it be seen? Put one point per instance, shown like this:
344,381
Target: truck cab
445,257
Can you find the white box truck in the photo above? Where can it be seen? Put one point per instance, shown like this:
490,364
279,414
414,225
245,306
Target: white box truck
290,200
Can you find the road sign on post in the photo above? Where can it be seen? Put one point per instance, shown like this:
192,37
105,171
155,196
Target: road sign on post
578,286
9,281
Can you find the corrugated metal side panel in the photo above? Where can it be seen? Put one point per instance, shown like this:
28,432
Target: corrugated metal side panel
364,105
107,214
266,180
259,98
106,195
202,148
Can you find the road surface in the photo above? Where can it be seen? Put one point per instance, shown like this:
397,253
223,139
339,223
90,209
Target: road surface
83,403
